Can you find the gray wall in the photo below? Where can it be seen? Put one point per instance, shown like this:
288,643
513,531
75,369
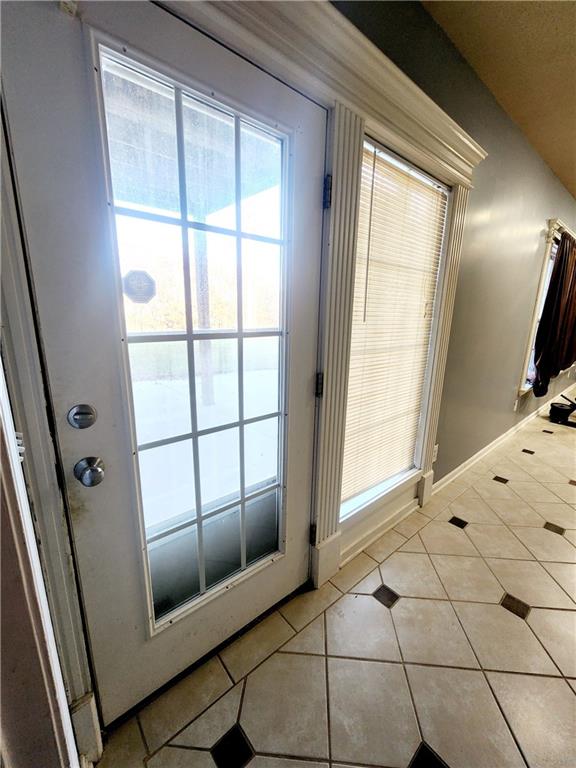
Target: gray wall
514,194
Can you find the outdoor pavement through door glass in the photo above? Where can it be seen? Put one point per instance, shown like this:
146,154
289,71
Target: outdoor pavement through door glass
451,641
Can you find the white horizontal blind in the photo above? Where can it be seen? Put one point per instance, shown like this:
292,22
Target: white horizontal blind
400,232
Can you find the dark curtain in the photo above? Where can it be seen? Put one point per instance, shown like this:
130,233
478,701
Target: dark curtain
555,348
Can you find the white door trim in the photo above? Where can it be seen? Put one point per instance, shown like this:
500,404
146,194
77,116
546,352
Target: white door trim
314,48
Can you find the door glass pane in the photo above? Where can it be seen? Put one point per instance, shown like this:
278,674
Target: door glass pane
213,267
260,376
260,285
261,454
216,363
167,482
152,275
221,543
261,526
161,389
141,127
204,287
261,175
174,570
219,468
210,164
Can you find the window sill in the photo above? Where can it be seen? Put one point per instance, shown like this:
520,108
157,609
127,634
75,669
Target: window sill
369,500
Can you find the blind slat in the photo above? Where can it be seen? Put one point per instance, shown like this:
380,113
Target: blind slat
399,249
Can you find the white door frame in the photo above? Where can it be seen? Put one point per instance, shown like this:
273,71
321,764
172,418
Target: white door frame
344,67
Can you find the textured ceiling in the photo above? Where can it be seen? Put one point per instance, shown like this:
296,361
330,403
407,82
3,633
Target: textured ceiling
525,52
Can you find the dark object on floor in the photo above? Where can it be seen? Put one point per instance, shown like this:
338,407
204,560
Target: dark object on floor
424,757
527,450
554,528
561,412
458,522
233,750
500,479
386,596
515,605
555,346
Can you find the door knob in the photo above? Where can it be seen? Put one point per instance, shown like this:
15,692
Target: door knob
89,471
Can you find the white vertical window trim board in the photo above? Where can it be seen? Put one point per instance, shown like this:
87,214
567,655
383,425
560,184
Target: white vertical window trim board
37,603
338,269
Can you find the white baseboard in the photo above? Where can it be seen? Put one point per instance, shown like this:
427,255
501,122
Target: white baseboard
455,473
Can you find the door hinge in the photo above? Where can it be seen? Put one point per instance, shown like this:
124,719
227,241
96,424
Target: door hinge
327,194
319,387
20,444
313,534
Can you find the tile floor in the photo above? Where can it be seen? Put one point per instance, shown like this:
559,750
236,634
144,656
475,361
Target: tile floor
433,670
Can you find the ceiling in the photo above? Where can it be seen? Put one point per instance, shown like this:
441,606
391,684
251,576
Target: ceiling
525,52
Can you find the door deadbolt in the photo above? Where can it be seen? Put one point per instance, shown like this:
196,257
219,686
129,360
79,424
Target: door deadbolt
89,471
82,416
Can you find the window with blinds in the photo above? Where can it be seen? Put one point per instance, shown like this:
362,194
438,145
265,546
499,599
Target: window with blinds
400,233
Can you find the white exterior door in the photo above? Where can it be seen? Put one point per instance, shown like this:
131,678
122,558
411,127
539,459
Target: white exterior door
171,198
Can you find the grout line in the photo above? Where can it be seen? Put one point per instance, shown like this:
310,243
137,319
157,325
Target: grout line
242,695
219,656
516,741
328,719
137,717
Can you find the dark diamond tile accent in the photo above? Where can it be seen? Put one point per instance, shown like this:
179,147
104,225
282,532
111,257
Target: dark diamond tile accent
386,596
548,431
425,757
457,521
571,482
554,528
233,750
500,479
527,450
515,605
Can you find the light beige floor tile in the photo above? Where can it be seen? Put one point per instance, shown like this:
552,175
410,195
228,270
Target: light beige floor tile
467,578
557,632
460,719
543,473
174,757
359,626
385,545
571,536
411,574
511,471
473,510
560,514
371,714
532,492
502,640
308,640
353,572
413,545
446,539
497,541
284,762
284,711
492,489
429,633
529,582
542,714
565,575
124,747
433,507
411,524
454,489
302,609
178,706
369,584
564,491
256,645
207,729
516,512
547,545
